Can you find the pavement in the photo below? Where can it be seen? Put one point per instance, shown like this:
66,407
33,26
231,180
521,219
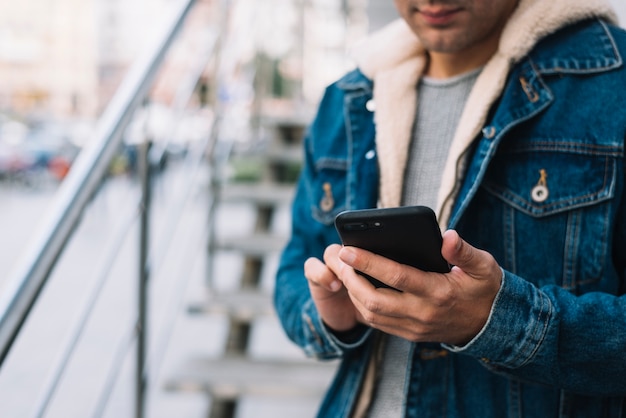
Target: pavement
179,279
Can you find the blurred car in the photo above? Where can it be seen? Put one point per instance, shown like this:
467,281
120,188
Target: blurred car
41,150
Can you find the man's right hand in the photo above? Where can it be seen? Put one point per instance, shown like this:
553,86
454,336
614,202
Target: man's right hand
329,295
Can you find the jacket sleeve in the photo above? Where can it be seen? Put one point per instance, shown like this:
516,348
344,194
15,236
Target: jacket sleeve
573,339
309,238
292,299
550,336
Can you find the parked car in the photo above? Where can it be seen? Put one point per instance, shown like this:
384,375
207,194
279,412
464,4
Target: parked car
30,154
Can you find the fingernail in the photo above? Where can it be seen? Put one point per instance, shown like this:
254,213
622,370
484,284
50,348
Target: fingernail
347,255
335,285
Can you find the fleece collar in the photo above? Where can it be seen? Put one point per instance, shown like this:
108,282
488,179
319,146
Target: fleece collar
395,60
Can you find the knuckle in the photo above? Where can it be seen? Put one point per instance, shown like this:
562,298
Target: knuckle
415,337
418,332
429,316
364,264
371,305
343,270
369,317
444,296
396,276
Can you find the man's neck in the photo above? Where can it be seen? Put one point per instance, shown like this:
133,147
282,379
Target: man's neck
447,65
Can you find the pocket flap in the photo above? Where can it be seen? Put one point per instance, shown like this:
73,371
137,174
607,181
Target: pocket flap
542,184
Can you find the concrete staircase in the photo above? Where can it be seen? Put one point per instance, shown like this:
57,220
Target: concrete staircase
238,372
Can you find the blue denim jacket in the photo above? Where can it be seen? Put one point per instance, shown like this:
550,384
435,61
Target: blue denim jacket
555,343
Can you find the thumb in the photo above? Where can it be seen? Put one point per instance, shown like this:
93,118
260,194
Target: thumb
474,262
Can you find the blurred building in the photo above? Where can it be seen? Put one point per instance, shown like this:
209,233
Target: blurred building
63,58
48,57
124,29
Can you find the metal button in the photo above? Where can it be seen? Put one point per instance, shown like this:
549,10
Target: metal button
489,132
540,192
328,201
370,105
532,95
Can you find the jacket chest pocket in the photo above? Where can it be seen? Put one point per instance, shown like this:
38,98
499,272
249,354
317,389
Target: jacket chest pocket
328,190
553,211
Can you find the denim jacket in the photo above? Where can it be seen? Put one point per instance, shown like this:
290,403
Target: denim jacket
555,342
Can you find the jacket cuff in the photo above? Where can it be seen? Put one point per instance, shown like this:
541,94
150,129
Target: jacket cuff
323,343
516,327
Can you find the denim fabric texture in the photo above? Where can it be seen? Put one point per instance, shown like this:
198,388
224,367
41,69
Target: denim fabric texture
555,343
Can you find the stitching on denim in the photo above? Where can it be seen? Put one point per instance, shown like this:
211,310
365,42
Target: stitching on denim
350,144
573,146
508,220
515,401
339,164
571,249
536,337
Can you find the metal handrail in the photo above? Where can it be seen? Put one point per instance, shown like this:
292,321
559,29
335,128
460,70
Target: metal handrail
87,308
82,182
30,276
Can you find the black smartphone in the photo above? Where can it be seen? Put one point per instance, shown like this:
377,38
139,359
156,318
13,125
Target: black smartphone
408,234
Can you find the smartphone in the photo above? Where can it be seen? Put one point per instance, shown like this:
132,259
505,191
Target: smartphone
408,234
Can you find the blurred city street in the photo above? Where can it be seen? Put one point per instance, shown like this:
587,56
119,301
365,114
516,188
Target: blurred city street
200,336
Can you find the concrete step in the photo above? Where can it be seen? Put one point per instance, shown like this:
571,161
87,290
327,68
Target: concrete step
229,378
242,306
259,244
266,194
291,154
271,153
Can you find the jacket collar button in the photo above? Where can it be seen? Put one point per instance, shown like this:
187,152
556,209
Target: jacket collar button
489,132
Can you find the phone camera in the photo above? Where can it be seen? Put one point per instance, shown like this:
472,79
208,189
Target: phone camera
355,226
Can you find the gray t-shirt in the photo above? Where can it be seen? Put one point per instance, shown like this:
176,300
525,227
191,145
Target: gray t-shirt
440,104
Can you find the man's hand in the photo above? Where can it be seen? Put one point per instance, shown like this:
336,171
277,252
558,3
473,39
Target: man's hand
448,308
328,293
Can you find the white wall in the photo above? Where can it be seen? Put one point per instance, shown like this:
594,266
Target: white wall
620,7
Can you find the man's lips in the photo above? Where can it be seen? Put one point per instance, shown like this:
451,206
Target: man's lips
439,16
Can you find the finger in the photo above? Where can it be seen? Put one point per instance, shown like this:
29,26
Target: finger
477,263
389,312
378,305
398,276
343,271
318,274
331,257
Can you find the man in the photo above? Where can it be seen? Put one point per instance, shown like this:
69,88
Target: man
508,118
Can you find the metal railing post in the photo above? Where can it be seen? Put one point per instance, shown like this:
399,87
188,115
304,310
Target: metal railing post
145,175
